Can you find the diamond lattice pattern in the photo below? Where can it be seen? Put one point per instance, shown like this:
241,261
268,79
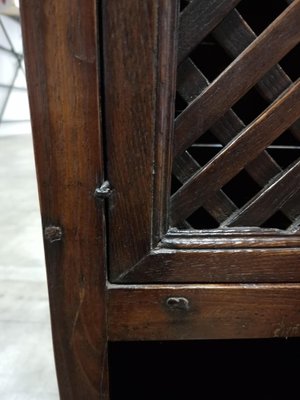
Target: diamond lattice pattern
237,128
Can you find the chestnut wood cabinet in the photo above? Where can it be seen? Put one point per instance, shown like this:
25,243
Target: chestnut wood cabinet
166,138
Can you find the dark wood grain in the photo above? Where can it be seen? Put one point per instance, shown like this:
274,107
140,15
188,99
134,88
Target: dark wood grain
190,83
197,20
61,64
293,205
219,204
240,151
245,264
64,50
139,58
229,238
212,312
268,200
235,35
246,70
164,119
228,126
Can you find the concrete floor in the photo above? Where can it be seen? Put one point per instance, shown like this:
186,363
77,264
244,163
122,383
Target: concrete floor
26,357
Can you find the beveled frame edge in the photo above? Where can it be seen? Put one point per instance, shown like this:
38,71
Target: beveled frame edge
163,144
246,265
137,218
60,45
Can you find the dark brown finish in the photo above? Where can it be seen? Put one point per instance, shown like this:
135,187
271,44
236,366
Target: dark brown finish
214,311
227,127
197,20
234,35
240,151
229,238
140,86
212,264
61,60
191,82
137,278
127,231
134,117
218,205
276,41
268,200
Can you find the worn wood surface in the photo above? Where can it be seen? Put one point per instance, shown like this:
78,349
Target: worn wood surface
139,85
242,74
190,83
164,125
230,237
235,264
234,35
203,312
268,200
61,64
219,204
197,20
134,233
228,126
232,158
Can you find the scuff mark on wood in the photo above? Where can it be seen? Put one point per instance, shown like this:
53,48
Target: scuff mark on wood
286,331
75,321
53,233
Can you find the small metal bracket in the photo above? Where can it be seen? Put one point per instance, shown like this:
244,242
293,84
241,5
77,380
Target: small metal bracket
104,191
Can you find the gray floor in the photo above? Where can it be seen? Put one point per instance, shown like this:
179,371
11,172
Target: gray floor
26,360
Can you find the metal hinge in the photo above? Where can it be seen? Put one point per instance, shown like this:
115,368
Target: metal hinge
104,191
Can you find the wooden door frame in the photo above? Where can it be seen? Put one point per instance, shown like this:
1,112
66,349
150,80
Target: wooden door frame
60,43
139,77
139,59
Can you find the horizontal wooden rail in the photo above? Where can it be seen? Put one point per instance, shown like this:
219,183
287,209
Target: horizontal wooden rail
183,312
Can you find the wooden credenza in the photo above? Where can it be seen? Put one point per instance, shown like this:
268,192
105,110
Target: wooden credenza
166,139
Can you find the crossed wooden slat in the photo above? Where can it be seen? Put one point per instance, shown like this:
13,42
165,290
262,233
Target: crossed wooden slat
271,198
198,20
234,156
234,35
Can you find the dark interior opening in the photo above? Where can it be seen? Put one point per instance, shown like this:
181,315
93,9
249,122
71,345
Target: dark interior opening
183,4
291,63
180,105
241,188
250,106
208,369
257,17
210,58
277,220
201,219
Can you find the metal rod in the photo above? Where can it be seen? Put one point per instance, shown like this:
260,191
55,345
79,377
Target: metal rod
15,121
2,85
8,94
220,146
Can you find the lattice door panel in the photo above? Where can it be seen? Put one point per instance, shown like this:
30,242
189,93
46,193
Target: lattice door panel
202,108
237,128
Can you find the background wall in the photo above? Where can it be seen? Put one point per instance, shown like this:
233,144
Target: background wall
26,355
14,109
